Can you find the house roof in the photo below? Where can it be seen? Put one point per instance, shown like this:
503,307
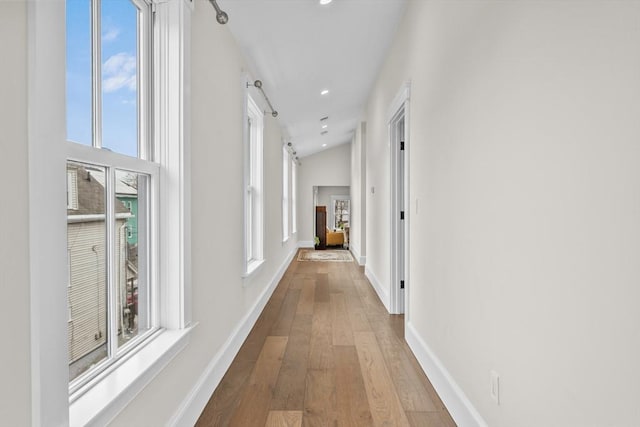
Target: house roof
90,192
123,188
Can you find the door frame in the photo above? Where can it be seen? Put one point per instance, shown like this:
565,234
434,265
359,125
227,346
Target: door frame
399,174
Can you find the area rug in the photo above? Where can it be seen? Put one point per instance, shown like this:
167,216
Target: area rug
332,256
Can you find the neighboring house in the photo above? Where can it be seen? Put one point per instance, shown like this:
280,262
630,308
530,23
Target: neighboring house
127,193
87,292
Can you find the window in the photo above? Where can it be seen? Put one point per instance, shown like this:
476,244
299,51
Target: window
294,207
254,197
107,58
285,193
72,186
110,291
340,214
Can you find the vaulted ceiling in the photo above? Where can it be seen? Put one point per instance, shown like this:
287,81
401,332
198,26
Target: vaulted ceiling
298,48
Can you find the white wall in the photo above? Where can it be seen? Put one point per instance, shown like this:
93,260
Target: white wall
358,225
222,302
325,193
524,205
15,390
330,167
220,298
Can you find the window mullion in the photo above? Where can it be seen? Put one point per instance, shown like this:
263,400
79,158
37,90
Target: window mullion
96,75
112,263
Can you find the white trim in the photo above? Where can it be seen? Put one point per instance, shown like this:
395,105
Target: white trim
254,197
404,94
286,193
399,298
360,259
382,292
48,260
95,217
173,46
306,244
459,406
47,238
101,404
191,407
294,198
252,268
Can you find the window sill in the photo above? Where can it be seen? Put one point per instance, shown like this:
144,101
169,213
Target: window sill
101,403
252,268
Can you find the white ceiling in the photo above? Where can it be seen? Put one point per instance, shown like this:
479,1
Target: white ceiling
299,47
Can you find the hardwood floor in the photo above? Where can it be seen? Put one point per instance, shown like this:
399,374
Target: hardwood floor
325,352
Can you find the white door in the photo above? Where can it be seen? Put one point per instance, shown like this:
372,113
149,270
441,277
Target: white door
398,213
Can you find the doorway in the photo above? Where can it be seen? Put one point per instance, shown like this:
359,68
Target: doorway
337,200
399,213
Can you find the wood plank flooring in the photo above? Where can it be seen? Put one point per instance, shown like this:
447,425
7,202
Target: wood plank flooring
325,352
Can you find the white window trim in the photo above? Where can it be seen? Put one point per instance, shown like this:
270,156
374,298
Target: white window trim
286,194
253,231
294,198
48,266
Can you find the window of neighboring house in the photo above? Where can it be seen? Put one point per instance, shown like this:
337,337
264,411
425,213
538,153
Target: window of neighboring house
285,193
72,193
294,208
254,201
111,295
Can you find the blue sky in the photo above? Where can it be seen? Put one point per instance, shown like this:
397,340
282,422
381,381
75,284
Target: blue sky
119,95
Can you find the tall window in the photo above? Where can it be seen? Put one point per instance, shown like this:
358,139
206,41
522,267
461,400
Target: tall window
294,198
285,193
111,183
254,197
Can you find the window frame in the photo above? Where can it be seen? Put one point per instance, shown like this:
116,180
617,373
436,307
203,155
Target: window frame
253,256
286,162
111,162
294,196
48,270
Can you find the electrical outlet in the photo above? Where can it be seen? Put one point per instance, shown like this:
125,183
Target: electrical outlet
495,386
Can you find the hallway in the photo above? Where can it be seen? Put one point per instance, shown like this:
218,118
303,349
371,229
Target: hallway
325,352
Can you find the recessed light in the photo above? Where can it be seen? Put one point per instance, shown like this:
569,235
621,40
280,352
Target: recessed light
324,145
325,126
324,92
325,2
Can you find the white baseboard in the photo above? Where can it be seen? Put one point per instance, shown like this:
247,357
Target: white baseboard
383,293
306,244
457,403
192,406
359,258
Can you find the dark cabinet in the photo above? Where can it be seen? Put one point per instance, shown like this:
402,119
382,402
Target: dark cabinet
321,226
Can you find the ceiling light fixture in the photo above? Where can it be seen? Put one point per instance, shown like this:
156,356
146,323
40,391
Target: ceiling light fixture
325,126
325,2
221,16
324,92
324,145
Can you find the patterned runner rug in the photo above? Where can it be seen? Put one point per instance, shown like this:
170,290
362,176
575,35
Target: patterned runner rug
329,255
